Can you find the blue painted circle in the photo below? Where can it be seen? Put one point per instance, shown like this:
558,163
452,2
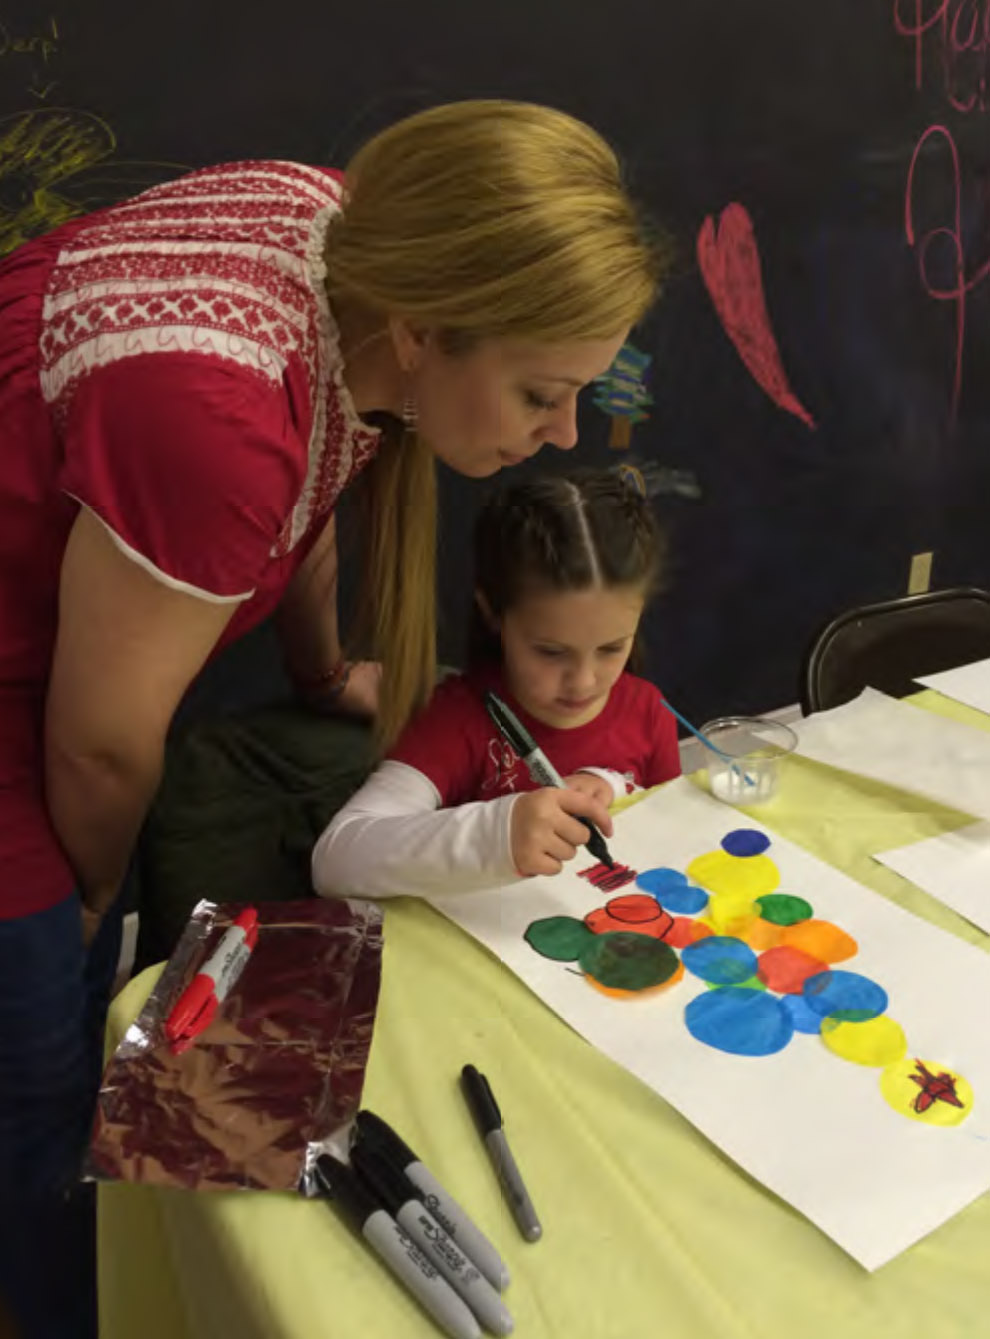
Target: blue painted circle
844,995
672,891
740,1021
661,878
803,1018
720,959
745,841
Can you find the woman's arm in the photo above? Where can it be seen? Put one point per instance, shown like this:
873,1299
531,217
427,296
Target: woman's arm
308,629
127,648
392,837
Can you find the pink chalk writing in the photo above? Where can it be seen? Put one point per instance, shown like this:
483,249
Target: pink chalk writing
950,236
730,267
955,34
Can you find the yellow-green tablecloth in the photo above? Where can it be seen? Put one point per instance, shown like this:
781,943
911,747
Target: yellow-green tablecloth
648,1229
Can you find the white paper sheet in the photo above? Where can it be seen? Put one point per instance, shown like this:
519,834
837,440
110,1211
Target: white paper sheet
969,684
902,745
954,867
812,1127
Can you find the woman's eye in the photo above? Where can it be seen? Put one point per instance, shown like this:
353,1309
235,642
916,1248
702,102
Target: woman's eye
539,402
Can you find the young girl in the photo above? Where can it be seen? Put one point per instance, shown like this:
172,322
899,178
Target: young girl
563,568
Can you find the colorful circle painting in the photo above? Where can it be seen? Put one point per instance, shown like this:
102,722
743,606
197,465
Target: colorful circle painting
627,961
786,969
745,842
720,960
560,938
877,1041
674,894
846,996
821,939
803,1018
645,993
928,1091
646,919
720,872
742,1022
686,931
783,908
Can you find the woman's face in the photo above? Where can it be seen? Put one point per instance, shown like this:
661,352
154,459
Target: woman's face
499,403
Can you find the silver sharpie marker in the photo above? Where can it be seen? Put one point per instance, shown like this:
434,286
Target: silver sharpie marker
406,1261
379,1135
484,1108
396,1193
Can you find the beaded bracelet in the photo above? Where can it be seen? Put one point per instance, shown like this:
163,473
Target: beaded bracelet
330,684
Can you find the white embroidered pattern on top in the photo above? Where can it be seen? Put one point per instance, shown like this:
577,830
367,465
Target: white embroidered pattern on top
226,262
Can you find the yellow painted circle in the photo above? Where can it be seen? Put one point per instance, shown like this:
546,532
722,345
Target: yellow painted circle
877,1041
749,876
927,1090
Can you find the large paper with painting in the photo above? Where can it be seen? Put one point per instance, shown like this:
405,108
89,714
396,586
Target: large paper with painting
832,1044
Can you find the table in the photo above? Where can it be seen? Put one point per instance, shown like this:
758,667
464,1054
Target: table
648,1228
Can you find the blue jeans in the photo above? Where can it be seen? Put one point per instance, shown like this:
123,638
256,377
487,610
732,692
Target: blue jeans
53,1003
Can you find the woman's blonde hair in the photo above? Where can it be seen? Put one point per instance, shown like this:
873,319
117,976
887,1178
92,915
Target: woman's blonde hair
481,220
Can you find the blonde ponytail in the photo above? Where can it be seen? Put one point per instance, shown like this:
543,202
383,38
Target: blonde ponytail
398,597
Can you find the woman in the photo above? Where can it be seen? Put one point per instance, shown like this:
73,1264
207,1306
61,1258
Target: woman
188,381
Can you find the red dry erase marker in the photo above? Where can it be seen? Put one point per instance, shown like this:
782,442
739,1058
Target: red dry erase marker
198,1003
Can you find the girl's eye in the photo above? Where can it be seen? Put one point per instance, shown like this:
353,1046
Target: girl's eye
539,402
551,652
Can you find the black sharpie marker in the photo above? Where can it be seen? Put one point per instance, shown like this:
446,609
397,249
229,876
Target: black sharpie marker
539,766
406,1261
396,1193
376,1134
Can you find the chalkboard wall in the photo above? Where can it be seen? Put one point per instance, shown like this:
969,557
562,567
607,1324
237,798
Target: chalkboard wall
851,136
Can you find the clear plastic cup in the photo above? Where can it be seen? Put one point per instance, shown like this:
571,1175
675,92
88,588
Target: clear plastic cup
755,747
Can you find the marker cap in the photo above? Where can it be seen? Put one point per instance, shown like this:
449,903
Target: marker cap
375,1133
340,1184
379,1175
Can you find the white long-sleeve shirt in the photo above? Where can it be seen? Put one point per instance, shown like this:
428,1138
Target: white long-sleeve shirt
392,837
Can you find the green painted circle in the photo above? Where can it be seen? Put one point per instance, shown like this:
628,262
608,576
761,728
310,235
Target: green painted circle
784,908
624,961
561,938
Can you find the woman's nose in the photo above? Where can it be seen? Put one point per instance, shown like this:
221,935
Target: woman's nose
562,430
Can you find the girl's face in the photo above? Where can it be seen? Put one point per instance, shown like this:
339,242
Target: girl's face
497,404
563,650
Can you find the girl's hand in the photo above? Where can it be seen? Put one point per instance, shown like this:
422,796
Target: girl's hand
589,784
545,828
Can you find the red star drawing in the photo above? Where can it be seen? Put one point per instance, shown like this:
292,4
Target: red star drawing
934,1088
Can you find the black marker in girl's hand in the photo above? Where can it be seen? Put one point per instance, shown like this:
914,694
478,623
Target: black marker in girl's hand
539,766
394,1247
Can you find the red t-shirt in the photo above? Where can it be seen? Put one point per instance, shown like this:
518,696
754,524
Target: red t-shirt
454,743
170,363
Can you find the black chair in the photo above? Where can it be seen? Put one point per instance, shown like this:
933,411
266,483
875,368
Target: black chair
886,646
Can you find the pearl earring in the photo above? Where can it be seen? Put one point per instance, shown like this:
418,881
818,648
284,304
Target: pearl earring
410,413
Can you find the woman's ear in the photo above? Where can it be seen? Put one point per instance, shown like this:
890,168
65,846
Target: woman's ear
410,340
491,622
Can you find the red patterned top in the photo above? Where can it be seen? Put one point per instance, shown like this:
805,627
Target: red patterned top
172,364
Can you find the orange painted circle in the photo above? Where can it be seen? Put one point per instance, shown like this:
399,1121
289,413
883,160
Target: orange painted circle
820,939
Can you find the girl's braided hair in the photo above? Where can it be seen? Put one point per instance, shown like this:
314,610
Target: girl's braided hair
564,532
